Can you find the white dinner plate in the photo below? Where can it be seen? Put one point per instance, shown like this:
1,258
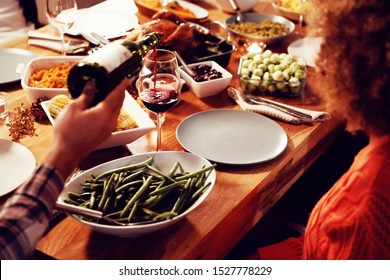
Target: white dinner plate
9,60
307,48
17,163
148,8
232,136
105,23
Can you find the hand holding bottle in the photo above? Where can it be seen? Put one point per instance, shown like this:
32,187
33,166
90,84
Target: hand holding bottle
109,66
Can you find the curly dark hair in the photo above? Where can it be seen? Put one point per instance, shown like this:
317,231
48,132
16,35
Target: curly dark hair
354,60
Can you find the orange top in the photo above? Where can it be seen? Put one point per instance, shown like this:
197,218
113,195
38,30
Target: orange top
351,221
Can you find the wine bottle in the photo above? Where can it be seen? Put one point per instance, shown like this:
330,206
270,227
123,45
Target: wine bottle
108,66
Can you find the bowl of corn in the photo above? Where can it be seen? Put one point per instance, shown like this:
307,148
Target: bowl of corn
133,121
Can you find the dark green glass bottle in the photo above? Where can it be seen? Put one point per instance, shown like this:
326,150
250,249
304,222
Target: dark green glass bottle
108,66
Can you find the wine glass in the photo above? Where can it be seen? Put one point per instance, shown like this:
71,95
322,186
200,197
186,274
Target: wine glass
301,16
164,4
159,85
61,15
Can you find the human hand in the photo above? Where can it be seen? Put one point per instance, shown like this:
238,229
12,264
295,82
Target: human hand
80,129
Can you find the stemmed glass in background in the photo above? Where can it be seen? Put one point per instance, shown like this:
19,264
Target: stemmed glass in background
61,15
164,3
301,16
159,85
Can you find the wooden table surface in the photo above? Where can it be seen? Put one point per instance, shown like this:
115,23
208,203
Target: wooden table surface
240,198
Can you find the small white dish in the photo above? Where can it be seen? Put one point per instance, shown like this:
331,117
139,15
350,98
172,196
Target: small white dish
25,70
17,163
163,160
144,122
210,87
232,137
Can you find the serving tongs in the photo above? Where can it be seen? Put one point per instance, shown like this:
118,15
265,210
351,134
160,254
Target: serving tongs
239,16
86,212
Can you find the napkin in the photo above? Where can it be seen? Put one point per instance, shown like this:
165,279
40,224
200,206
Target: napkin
51,45
57,46
316,116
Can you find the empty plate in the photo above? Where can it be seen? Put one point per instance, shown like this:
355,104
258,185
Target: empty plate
232,136
9,60
17,163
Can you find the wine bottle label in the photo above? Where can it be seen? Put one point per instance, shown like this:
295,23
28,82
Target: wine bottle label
110,56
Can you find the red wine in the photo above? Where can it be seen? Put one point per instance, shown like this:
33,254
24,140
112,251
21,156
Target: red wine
159,100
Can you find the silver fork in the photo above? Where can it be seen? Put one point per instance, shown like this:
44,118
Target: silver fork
256,100
96,40
278,106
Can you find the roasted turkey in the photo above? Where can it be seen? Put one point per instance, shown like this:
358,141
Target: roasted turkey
176,33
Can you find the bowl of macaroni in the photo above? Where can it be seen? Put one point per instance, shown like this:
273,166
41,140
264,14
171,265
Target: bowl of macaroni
45,77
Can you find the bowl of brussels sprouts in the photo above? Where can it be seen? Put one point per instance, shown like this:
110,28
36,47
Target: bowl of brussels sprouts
268,73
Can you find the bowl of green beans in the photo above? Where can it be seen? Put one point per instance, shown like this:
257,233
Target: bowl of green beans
142,193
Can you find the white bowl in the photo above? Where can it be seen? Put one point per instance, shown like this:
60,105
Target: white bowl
244,5
286,12
144,122
25,71
211,87
163,161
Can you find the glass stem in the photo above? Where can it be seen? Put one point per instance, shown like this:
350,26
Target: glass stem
300,24
160,121
301,15
164,4
62,35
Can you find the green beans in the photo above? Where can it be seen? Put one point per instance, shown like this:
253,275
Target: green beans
124,168
141,192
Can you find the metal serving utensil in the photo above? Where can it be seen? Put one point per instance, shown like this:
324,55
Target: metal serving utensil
102,40
184,64
239,16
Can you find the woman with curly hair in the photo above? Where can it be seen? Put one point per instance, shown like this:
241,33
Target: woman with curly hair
351,221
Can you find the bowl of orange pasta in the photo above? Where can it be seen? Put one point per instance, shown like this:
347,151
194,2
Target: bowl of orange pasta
46,77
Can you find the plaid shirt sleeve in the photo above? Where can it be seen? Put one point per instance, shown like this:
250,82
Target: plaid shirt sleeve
26,214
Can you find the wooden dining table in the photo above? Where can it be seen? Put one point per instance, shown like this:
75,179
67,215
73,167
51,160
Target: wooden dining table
242,194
